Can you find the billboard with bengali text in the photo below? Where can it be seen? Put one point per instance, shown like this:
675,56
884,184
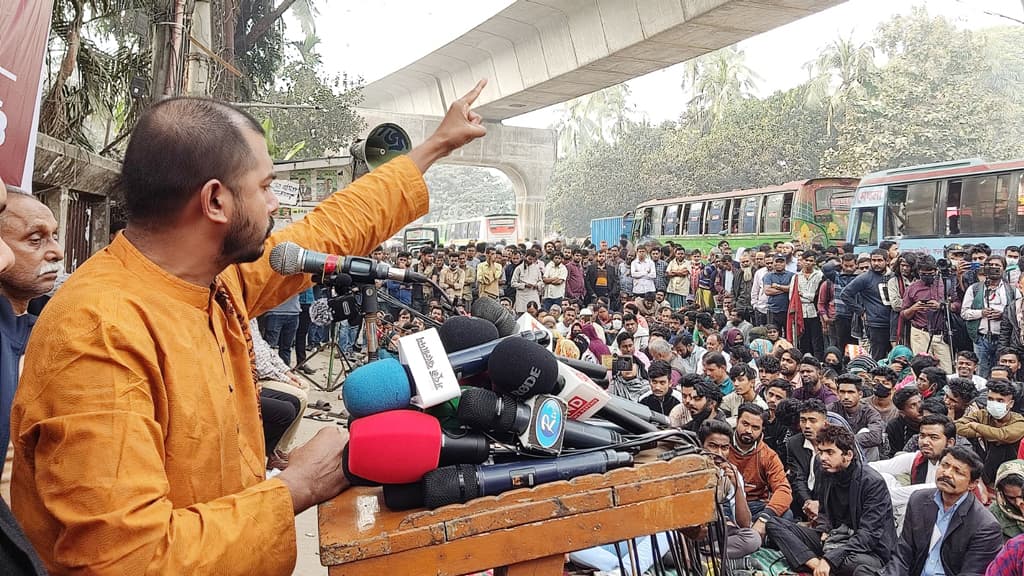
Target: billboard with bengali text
24,27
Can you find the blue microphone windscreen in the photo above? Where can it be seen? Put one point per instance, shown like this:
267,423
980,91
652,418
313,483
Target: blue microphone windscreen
376,387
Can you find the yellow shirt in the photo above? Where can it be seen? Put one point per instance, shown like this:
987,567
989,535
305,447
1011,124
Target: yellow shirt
488,277
137,433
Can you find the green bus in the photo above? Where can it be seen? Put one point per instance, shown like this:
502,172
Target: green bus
810,212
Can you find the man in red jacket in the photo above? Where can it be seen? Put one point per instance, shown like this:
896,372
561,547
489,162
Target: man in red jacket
764,477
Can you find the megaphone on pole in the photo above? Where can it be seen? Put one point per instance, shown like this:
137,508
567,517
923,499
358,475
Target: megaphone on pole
384,142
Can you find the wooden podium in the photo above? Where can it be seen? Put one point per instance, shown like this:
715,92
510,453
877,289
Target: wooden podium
523,532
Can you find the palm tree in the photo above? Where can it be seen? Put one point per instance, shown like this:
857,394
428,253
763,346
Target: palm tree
89,91
842,76
601,116
717,80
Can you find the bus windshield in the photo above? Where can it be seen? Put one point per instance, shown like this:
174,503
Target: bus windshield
924,207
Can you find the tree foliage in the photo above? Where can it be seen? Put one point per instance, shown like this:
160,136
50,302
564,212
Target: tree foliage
921,91
460,192
332,122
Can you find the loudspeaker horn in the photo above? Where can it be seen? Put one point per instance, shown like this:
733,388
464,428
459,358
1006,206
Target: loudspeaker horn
384,142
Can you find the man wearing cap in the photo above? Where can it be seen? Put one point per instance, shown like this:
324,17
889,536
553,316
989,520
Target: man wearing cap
777,285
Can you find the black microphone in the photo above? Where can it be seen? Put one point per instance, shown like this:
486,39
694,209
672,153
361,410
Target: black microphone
491,310
484,410
523,369
462,483
288,258
475,359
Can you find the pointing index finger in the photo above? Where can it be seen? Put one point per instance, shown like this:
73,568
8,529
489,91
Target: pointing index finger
472,95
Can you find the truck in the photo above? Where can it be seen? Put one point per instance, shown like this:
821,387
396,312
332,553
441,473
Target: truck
610,229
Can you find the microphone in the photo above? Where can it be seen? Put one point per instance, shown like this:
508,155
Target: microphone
288,258
523,369
536,422
391,384
461,483
491,310
461,332
400,446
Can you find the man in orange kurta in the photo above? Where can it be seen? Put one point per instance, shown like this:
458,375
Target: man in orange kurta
137,432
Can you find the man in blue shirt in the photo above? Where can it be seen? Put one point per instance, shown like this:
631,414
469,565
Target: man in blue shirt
777,284
947,531
30,229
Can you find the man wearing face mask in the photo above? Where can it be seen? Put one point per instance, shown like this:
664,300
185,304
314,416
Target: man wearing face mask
997,427
884,380
1012,254
922,307
982,309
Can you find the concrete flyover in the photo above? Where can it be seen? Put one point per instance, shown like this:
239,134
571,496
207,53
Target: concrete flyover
536,53
525,155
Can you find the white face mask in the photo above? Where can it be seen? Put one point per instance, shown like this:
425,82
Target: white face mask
617,324
1011,261
996,409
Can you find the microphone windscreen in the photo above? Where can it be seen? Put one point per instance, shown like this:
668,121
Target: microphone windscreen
461,332
450,485
376,387
491,310
522,368
478,409
400,497
320,312
284,258
396,447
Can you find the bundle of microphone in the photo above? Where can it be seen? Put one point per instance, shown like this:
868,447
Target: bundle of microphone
511,415
476,407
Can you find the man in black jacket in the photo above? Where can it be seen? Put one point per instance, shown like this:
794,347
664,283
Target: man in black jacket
800,456
602,280
961,538
853,534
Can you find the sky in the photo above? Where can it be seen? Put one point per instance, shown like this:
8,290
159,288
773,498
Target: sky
373,39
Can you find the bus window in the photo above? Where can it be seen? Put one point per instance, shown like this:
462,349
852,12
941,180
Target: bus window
911,209
867,231
716,211
787,212
693,224
954,191
772,222
735,214
657,214
671,220
645,223
984,205
684,218
749,219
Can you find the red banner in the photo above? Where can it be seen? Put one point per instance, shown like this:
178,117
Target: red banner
24,28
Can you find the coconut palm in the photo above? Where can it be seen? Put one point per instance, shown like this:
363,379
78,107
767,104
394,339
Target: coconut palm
843,75
601,116
717,80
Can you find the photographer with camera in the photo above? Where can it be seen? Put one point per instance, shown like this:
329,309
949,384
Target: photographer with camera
982,309
923,308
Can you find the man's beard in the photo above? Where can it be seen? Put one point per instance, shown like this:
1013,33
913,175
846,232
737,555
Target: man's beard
240,245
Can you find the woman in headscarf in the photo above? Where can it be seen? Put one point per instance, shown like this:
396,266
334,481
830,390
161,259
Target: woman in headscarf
899,360
834,359
760,347
597,346
1007,507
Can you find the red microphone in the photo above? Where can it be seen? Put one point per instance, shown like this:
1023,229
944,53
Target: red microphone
400,446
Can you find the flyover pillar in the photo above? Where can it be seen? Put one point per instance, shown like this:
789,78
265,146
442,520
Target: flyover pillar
525,155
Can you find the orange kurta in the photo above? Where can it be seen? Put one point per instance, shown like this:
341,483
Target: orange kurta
138,440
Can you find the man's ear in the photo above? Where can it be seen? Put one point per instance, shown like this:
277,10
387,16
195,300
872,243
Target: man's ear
216,200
